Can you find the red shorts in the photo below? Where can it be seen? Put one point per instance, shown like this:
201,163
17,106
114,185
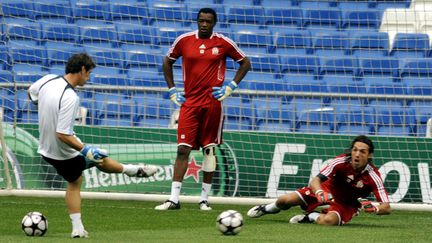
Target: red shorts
200,126
345,211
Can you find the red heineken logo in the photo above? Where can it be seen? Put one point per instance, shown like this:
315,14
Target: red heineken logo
193,170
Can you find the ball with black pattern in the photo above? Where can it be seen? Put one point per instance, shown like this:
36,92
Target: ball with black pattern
229,222
34,224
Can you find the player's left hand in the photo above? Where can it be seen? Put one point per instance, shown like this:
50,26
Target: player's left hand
323,197
367,206
220,93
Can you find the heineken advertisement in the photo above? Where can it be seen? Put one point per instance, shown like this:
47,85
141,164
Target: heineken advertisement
250,164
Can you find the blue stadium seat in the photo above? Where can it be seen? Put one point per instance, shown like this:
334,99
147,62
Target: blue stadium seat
22,30
28,112
295,42
6,76
56,32
396,122
167,36
262,81
353,19
281,19
369,44
124,11
384,86
17,8
254,42
384,4
106,58
28,54
415,74
322,19
169,15
280,4
7,102
265,63
316,121
4,57
239,114
340,75
55,10
410,45
246,15
134,34
351,5
95,10
344,105
379,67
115,80
302,65
356,122
98,35
99,111
27,73
58,53
143,59
272,115
330,44
117,113
152,110
298,83
305,103
423,113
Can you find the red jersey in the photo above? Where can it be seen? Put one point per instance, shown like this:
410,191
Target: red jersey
346,185
203,63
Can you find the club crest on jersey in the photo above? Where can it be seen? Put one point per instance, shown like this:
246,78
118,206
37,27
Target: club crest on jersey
360,184
215,51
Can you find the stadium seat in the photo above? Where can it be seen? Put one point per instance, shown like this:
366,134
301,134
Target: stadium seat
384,86
415,74
272,115
117,113
301,65
6,76
355,122
282,19
379,68
101,99
340,75
262,81
133,34
239,114
316,121
30,55
295,42
407,45
17,8
397,20
28,112
137,58
299,83
322,19
167,36
368,45
265,63
254,42
169,15
385,4
98,35
423,113
351,5
353,19
58,53
22,30
55,11
115,80
124,11
95,10
306,103
246,15
280,4
330,44
152,110
8,107
55,32
4,57
396,122
106,58
27,73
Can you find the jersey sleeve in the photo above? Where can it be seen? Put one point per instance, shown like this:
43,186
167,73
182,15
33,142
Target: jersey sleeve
378,189
233,50
175,50
332,167
69,105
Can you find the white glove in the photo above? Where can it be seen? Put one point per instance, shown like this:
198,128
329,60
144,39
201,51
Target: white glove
220,93
94,154
176,97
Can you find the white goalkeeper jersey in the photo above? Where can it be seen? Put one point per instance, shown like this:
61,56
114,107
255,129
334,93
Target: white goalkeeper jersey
58,104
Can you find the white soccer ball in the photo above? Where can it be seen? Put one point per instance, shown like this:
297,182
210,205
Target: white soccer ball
34,224
229,222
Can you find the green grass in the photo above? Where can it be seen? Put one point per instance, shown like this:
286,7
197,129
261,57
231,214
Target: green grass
135,221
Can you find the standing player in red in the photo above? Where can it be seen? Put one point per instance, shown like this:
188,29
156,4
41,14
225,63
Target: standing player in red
200,123
342,184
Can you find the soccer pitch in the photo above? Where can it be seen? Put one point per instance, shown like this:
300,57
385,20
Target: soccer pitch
136,221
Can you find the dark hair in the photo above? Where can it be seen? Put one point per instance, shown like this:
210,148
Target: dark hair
77,61
363,139
208,11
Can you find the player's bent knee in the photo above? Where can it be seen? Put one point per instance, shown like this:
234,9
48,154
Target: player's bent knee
328,219
209,161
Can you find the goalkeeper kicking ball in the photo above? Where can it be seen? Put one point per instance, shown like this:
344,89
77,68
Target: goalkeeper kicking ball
229,222
34,224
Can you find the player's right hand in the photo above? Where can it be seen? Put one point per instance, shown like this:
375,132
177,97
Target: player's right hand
367,206
323,197
176,97
94,154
